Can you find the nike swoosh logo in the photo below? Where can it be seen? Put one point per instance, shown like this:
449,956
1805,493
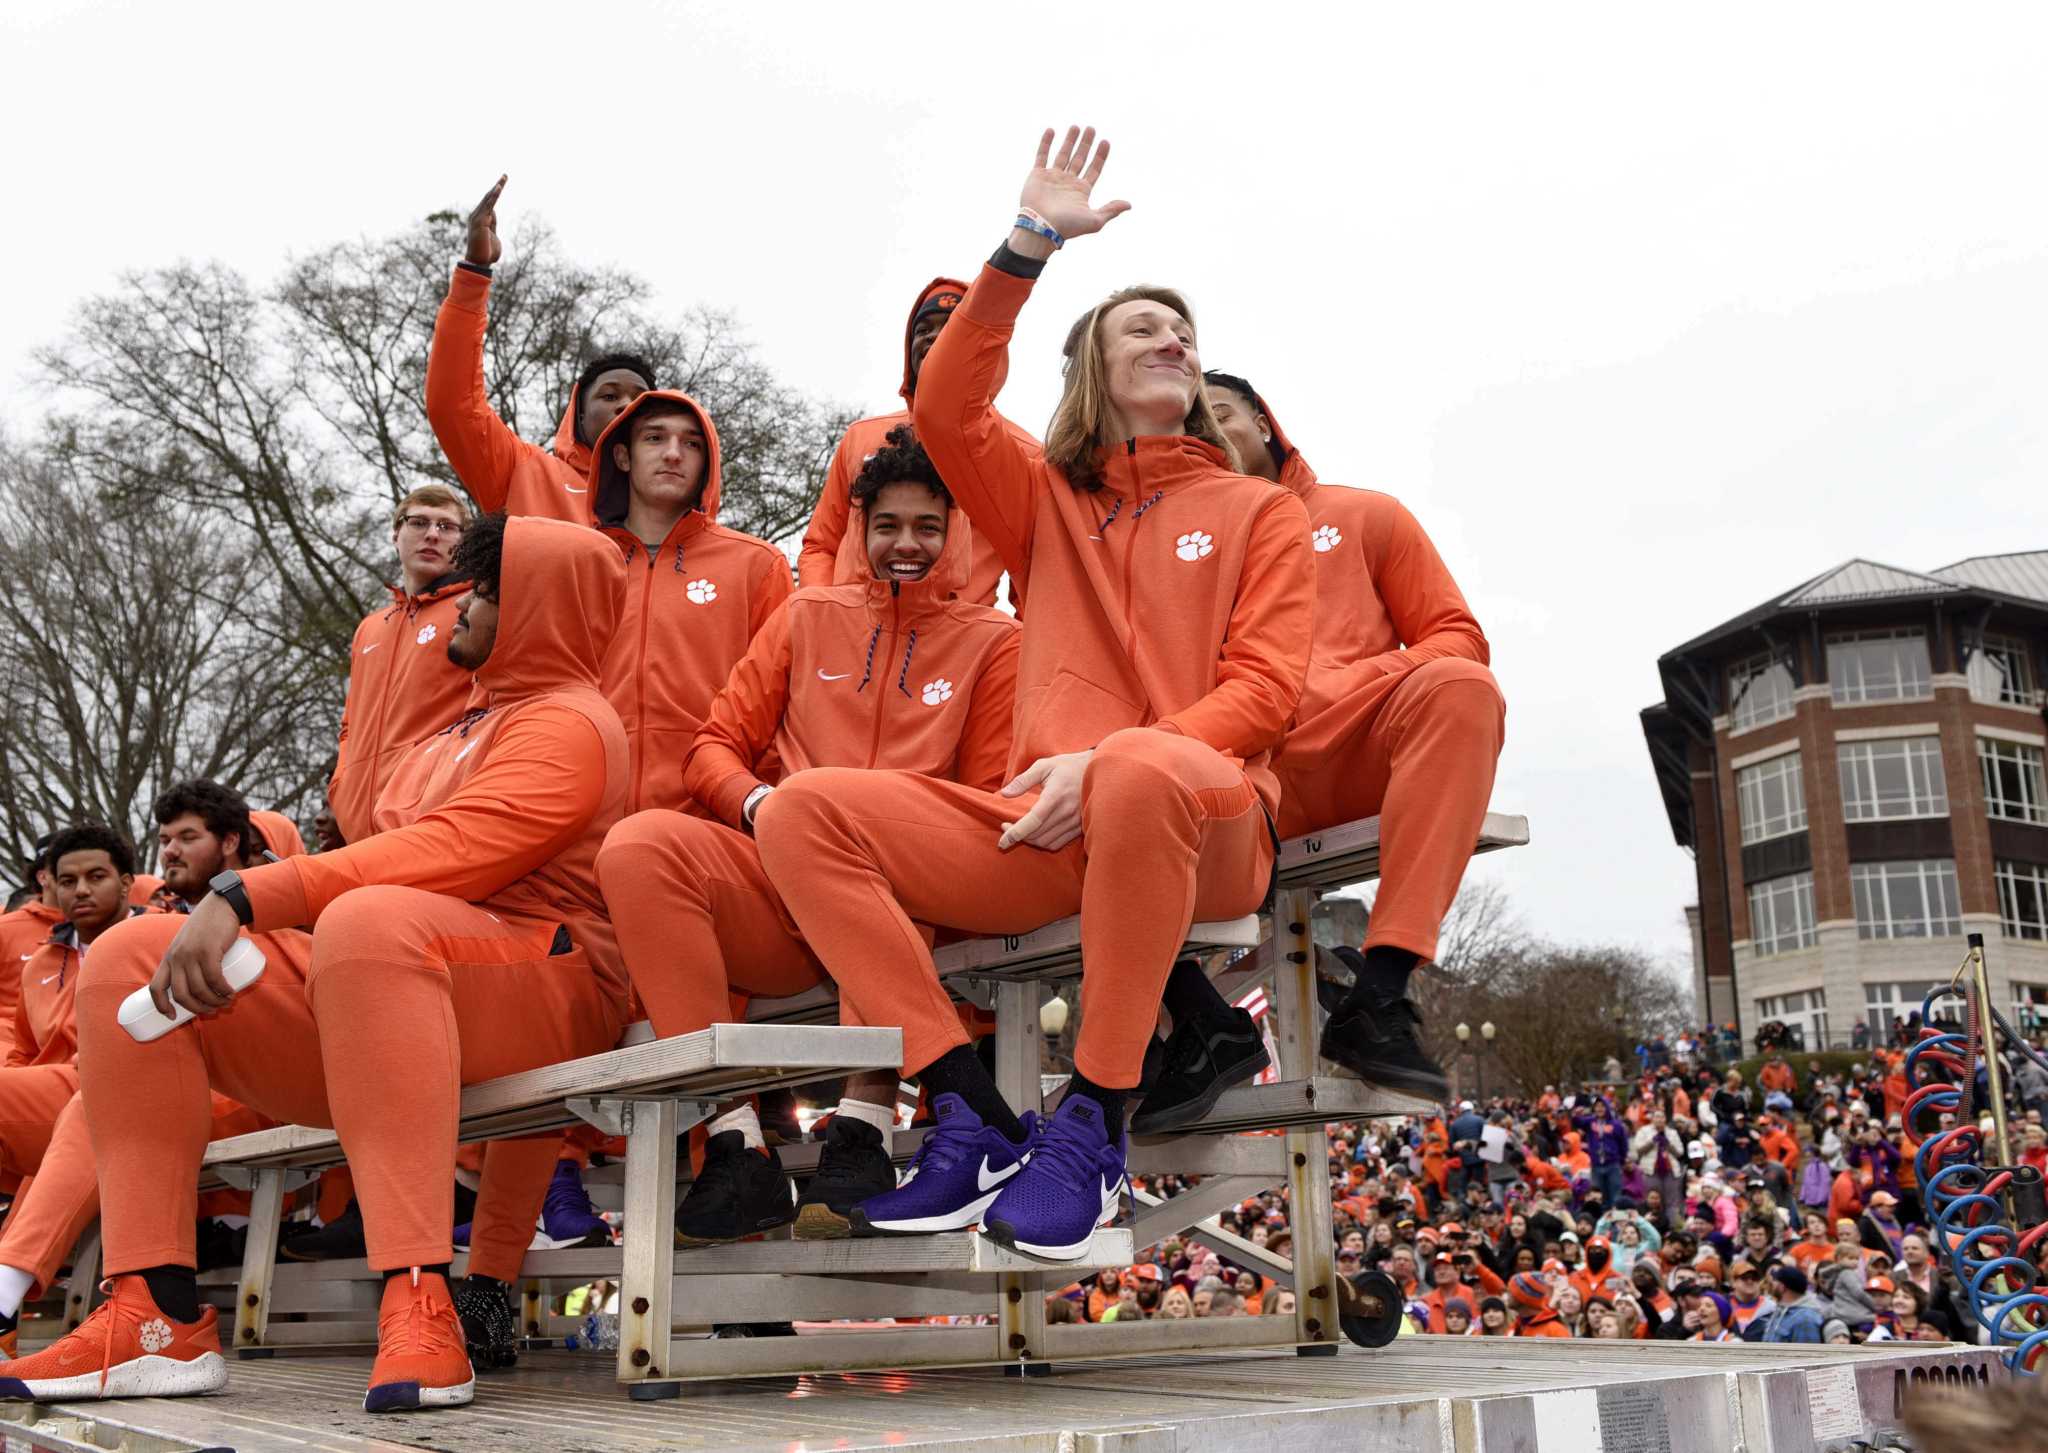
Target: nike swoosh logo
840,677
988,1182
371,647
55,977
572,489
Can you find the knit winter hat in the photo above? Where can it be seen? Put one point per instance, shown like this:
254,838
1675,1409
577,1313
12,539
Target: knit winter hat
1531,1293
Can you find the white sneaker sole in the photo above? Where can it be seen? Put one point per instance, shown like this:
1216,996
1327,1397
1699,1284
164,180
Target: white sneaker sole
430,1397
148,1376
1074,1252
965,1219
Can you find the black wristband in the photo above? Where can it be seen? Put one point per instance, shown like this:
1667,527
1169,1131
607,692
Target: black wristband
228,888
1016,264
481,269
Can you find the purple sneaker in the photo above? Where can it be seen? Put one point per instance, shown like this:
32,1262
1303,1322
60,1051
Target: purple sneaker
961,1167
1073,1184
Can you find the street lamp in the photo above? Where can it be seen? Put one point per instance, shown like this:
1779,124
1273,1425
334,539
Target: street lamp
1486,1033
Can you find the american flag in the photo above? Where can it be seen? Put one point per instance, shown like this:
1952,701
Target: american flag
1256,1004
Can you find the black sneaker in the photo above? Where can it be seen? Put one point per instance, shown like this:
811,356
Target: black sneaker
488,1324
1201,1063
853,1166
1376,1041
739,1191
339,1240
754,1329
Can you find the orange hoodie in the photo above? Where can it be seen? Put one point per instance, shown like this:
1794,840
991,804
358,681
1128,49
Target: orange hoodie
279,833
691,607
402,688
45,1025
500,470
1385,602
1179,595
877,675
22,932
833,554
508,807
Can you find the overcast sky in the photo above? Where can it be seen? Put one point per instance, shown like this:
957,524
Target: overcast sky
1647,315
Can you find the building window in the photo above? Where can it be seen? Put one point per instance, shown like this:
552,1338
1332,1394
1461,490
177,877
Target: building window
2000,673
1906,900
1781,915
2012,780
1759,691
2030,1008
1884,1005
1898,777
1772,798
1865,666
1804,1013
2022,900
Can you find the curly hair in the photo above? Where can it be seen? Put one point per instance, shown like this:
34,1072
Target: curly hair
222,809
89,837
481,555
900,460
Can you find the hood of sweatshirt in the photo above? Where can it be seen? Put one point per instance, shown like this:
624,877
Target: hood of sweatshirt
565,446
1295,472
561,589
946,580
937,287
610,487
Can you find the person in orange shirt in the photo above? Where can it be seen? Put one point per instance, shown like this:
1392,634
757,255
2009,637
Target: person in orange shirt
1777,1076
1529,1294
1171,604
23,931
402,688
1779,1144
697,592
832,553
1598,1276
897,673
1814,1247
500,470
465,940
201,827
1399,719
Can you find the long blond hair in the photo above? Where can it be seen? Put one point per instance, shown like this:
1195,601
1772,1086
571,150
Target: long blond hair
1080,424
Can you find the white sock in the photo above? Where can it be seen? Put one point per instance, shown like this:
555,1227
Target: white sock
882,1117
14,1285
746,1120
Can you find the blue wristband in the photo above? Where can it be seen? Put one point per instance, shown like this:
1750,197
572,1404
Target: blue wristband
1032,224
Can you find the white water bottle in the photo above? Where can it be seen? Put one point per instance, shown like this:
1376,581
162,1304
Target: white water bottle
241,967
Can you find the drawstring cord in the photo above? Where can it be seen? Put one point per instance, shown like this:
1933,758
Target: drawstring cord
1109,519
903,676
1139,513
868,671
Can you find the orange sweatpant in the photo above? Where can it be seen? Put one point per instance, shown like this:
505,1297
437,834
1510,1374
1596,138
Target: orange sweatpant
1417,750
408,996
31,1099
697,918
1171,831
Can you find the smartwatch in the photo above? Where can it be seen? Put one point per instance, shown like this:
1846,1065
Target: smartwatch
228,888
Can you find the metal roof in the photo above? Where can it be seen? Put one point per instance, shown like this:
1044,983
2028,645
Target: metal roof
2024,573
1864,580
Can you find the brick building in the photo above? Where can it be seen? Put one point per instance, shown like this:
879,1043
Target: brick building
1857,768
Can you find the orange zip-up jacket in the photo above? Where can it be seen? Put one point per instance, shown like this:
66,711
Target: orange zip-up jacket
880,675
45,1024
22,932
402,688
1180,595
834,555
1385,602
507,808
500,470
692,605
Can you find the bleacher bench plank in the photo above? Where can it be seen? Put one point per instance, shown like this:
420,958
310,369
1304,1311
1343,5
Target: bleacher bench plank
1350,853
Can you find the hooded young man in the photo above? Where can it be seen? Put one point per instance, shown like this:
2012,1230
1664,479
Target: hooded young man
202,828
833,553
502,471
895,673
1399,719
402,687
465,940
696,592
23,931
1163,652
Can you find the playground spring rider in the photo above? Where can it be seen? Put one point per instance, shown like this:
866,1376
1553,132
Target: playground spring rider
1989,1214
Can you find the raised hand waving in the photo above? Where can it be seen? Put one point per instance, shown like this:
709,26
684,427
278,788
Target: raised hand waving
1057,187
482,246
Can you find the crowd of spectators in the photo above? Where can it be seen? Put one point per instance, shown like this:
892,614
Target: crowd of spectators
1690,1202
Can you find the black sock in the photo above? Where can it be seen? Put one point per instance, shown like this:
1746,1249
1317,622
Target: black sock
1382,972
1193,1000
174,1289
1111,1101
441,1271
959,1072
488,1283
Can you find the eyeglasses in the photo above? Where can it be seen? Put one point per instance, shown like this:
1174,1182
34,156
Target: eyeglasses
429,525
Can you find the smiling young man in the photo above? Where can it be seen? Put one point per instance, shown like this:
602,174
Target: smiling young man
1162,655
502,471
894,673
833,553
465,941
402,688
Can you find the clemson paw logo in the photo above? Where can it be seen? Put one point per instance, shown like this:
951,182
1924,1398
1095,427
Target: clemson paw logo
701,592
1194,545
155,1334
1326,538
938,691
427,633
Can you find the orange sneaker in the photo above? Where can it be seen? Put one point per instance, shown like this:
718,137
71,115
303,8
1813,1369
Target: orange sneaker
127,1348
422,1358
